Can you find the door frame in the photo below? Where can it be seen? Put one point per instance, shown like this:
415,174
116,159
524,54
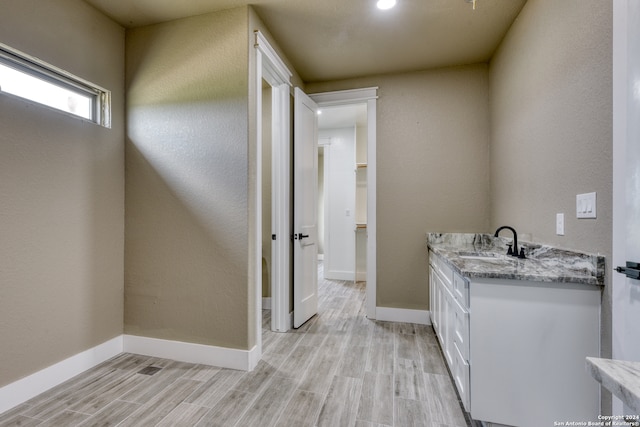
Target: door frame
272,69
359,96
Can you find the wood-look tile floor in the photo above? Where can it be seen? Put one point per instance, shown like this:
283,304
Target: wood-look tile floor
339,369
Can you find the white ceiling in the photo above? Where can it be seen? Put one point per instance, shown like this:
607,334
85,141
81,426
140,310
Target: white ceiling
337,39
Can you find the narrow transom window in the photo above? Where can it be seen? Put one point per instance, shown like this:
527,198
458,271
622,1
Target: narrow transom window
45,84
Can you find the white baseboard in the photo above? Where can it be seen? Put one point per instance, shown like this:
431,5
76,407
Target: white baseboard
420,317
253,358
266,303
223,357
339,275
26,388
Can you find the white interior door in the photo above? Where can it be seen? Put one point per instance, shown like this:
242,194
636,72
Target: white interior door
305,209
626,182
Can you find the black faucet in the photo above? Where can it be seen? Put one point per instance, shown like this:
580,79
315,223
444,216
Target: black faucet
514,251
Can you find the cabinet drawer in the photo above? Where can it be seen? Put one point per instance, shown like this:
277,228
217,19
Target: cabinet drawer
461,329
461,377
443,270
461,290
446,273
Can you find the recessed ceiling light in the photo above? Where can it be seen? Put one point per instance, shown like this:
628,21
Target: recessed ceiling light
386,4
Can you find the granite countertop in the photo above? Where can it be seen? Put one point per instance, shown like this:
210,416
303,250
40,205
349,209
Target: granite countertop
543,263
619,377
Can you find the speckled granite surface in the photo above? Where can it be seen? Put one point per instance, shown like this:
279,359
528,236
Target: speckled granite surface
619,377
543,263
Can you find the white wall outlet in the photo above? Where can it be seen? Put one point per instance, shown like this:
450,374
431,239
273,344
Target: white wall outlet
560,224
586,205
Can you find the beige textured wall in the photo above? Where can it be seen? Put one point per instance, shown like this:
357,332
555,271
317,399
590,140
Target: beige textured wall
551,126
551,122
433,175
62,192
186,246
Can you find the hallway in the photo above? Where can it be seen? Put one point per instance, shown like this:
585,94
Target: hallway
339,369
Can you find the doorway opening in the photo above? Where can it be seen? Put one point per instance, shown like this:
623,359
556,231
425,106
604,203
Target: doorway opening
273,78
266,195
342,191
363,168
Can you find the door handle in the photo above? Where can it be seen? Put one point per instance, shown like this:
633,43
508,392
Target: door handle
303,236
631,270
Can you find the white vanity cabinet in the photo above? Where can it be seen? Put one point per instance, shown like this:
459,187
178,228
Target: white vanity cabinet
449,306
529,341
516,348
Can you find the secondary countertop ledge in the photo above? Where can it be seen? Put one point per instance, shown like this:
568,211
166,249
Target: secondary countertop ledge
620,377
543,264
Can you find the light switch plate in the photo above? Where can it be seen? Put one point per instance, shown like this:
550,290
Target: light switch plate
586,205
560,224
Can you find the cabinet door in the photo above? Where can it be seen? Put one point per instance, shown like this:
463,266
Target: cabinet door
437,288
433,298
461,328
460,372
447,323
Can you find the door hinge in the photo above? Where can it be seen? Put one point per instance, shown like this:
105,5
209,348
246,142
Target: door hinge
273,237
